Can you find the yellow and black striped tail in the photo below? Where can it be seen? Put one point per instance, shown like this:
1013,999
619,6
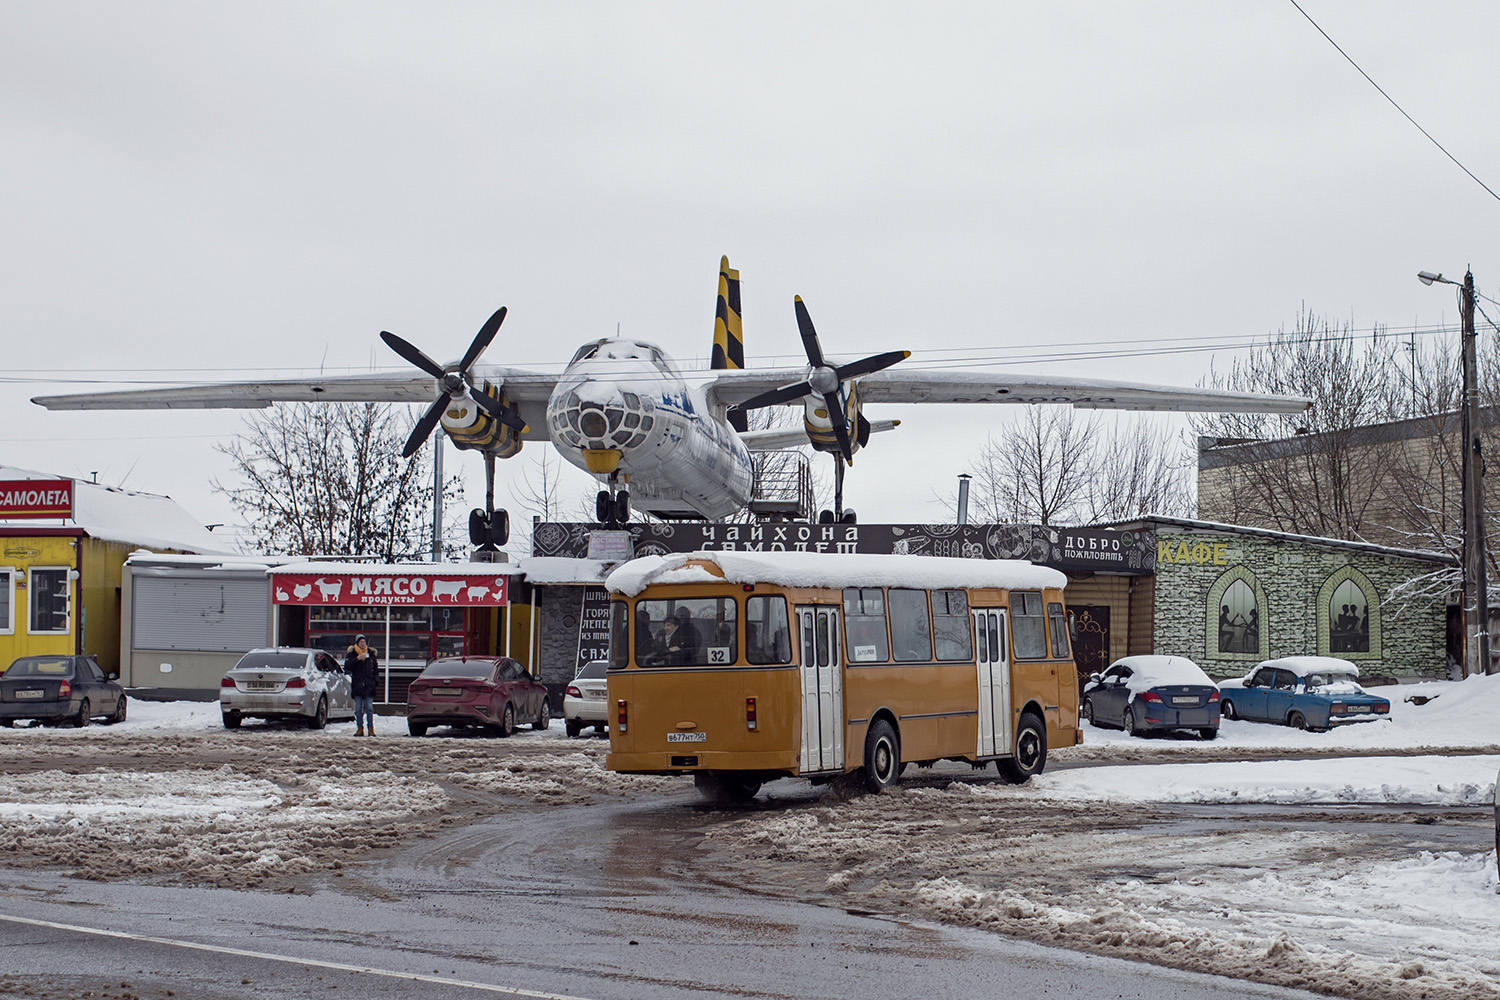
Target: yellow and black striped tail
729,335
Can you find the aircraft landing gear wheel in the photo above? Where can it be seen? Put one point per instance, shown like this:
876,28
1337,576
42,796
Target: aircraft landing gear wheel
849,518
622,507
603,507
825,517
500,527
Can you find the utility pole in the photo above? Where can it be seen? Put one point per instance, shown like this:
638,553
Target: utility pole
437,495
1479,660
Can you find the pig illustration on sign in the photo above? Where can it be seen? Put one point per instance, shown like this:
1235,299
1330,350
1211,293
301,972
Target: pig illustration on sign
330,591
447,588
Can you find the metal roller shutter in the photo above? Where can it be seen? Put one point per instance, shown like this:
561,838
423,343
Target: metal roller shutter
213,613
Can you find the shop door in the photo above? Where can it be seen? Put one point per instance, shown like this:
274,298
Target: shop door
822,689
992,661
1089,625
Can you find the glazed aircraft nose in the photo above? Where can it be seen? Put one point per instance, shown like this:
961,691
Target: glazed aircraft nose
591,421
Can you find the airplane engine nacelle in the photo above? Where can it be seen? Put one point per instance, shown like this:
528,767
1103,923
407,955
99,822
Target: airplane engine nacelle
820,428
471,428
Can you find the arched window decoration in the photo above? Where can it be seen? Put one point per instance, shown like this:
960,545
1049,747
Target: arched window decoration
1349,616
1239,619
1237,610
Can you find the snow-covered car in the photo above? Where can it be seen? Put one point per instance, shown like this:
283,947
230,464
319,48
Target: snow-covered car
586,701
55,689
1307,692
463,691
1143,694
288,682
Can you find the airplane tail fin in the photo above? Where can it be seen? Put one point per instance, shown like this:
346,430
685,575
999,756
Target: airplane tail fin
729,337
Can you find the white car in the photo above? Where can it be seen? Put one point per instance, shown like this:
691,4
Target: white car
586,702
286,682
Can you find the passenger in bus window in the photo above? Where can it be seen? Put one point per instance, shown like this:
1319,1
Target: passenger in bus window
680,640
645,639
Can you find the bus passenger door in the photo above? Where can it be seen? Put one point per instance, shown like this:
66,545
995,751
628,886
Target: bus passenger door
822,689
993,664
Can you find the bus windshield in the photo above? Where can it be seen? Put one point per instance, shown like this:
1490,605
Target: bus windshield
686,632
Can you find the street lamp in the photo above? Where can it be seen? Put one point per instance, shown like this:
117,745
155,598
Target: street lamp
1477,655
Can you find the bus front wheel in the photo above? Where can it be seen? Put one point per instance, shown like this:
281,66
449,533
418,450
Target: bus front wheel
882,757
1029,754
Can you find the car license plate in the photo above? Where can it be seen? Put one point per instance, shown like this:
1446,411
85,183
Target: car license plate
687,737
29,694
447,692
1184,701
260,685
1359,709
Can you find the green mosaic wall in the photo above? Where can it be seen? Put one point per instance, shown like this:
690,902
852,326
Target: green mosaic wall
1293,583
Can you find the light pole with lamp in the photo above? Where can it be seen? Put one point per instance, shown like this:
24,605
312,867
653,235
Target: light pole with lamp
1477,652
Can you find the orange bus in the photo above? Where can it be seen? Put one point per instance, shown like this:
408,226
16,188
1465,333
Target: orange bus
741,667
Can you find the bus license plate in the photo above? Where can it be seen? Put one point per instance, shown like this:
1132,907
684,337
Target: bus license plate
687,737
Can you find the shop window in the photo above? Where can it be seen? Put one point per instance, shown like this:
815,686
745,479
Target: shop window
1349,616
1239,619
7,601
48,592
1237,625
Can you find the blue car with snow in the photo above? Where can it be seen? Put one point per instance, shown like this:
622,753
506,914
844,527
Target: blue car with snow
1305,692
1145,694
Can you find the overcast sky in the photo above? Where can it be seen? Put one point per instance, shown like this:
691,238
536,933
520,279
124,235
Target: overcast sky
193,192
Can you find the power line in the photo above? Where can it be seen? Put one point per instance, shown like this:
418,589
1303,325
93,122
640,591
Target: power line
1388,97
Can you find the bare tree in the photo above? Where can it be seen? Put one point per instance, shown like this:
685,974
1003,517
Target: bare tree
329,479
1140,468
1037,472
1304,473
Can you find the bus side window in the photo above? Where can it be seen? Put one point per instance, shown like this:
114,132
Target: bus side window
765,629
950,625
911,631
1059,622
1028,625
864,625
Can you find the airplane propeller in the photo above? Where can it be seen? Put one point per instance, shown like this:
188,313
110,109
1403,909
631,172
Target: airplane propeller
826,380
454,383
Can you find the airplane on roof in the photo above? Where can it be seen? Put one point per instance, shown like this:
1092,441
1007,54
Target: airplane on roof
672,443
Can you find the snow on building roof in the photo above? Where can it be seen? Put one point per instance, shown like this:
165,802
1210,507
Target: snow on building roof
821,569
117,515
395,569
561,569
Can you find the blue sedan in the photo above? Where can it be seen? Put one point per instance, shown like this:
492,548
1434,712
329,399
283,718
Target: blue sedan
1145,694
1306,692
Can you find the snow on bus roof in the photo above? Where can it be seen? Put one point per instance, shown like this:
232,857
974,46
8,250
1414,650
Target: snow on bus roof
821,569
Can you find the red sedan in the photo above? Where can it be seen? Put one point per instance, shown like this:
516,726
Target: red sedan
492,692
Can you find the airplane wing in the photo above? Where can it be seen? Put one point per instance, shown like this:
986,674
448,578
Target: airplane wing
527,391
895,385
782,438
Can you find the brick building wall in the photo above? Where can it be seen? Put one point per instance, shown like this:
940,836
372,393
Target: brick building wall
1294,587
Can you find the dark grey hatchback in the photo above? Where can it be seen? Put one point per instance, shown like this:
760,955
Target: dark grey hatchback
58,689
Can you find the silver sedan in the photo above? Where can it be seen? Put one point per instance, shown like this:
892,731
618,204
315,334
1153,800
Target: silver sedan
285,683
585,703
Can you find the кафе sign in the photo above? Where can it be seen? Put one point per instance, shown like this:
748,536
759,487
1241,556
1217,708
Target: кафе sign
36,498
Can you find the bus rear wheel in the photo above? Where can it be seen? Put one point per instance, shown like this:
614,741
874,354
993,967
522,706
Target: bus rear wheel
882,765
1029,754
719,786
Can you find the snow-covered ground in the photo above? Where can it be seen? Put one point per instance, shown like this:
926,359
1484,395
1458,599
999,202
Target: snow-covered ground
1077,857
